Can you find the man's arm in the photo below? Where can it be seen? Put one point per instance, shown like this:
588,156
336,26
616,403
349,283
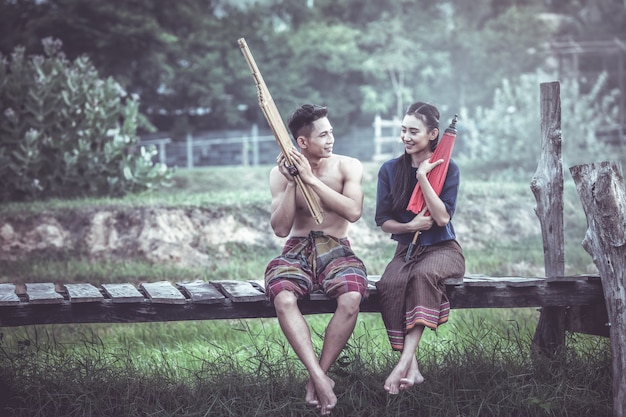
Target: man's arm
349,202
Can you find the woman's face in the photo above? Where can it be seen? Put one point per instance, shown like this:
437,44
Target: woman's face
415,135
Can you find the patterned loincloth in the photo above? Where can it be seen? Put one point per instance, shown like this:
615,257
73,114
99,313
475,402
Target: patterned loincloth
317,261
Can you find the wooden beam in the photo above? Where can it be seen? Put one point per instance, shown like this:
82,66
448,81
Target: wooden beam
547,186
603,196
215,300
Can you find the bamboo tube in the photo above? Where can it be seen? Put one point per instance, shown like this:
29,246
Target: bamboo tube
278,128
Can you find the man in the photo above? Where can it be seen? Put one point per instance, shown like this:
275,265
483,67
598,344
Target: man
316,256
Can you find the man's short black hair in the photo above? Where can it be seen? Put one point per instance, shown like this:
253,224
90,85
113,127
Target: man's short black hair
301,120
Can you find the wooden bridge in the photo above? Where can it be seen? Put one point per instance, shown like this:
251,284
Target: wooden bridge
49,303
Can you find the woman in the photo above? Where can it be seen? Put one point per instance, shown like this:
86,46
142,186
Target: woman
412,294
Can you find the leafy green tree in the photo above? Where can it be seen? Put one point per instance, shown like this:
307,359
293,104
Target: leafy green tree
166,52
404,65
64,132
360,58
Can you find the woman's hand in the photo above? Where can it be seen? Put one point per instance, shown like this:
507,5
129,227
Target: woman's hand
426,166
420,221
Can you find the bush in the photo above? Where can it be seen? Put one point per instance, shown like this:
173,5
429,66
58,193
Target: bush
64,132
505,140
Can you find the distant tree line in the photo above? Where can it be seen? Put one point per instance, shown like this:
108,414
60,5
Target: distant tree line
81,81
181,59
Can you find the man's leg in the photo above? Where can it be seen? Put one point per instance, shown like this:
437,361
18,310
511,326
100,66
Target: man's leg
340,328
338,332
297,332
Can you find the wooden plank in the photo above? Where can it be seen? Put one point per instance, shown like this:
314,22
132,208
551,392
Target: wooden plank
163,292
201,292
591,319
318,296
123,293
42,293
487,281
259,284
572,279
582,293
452,281
83,293
373,279
8,295
240,291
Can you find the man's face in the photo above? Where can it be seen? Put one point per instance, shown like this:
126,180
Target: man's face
321,140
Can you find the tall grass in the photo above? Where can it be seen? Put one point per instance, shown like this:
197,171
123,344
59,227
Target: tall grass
480,364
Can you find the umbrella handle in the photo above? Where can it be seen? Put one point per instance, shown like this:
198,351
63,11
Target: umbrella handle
409,251
415,236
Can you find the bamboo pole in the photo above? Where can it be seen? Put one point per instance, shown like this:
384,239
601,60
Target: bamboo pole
270,111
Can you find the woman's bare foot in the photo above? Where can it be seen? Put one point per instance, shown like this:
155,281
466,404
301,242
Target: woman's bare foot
412,377
402,378
393,381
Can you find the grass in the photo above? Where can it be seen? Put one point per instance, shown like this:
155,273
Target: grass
480,364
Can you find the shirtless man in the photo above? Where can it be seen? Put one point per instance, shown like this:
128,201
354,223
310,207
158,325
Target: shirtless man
316,256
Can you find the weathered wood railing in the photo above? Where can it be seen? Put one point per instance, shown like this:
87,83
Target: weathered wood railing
47,303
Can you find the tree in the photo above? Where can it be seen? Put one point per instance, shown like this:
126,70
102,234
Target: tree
64,132
166,52
501,139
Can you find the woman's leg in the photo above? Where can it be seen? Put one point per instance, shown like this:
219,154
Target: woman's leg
406,373
391,290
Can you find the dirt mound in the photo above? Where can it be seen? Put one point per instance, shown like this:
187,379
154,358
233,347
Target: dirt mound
194,237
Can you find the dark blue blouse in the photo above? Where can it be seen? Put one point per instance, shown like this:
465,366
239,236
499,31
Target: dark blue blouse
384,212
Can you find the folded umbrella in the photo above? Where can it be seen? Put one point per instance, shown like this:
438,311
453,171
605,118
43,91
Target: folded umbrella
436,177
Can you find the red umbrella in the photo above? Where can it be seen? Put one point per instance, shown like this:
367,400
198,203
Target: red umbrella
436,176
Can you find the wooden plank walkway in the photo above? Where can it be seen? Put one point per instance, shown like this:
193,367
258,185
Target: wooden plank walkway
47,303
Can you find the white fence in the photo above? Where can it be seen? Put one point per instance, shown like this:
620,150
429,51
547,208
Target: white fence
249,148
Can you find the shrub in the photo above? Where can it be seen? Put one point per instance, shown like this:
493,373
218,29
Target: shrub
64,132
505,140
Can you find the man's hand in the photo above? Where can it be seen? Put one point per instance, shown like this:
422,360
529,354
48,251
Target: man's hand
302,165
282,163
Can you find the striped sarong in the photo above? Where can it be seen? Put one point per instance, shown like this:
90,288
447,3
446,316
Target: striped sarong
317,261
412,293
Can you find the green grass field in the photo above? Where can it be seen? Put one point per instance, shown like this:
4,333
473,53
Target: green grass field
480,364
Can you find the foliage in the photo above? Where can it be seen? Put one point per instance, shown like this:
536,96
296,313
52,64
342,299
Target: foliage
505,139
66,133
360,59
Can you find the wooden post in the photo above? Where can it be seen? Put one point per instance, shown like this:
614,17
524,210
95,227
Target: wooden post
601,191
547,186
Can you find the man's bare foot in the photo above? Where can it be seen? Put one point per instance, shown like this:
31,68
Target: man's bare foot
324,394
311,396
